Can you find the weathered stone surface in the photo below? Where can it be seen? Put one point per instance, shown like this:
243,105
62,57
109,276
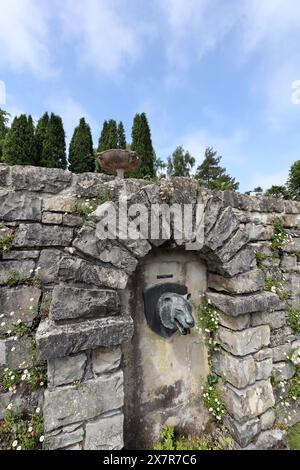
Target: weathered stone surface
107,251
18,303
90,184
4,173
63,439
52,218
241,343
264,369
25,268
288,415
250,402
276,319
59,341
239,305
233,245
293,283
139,248
288,262
21,206
106,360
265,353
72,220
79,270
41,235
281,336
240,372
259,232
242,262
283,371
72,303
49,265
23,401
293,246
16,354
224,227
243,433
235,323
280,352
252,281
270,440
59,204
267,420
18,255
66,370
105,434
33,178
73,404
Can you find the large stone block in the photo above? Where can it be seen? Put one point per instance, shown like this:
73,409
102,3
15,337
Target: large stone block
267,419
246,283
52,218
18,303
24,268
235,323
42,235
106,360
79,270
233,245
49,265
33,178
283,371
274,439
250,402
276,319
21,206
281,336
16,354
64,438
73,303
4,173
105,433
239,305
62,340
73,404
280,352
19,255
59,204
242,262
90,184
107,251
66,370
264,369
243,433
240,372
241,343
225,226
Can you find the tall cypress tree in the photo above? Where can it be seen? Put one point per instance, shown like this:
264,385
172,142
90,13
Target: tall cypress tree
102,143
54,147
81,153
142,144
19,145
112,133
40,134
3,129
121,136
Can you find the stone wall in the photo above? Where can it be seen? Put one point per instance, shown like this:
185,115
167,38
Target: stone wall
66,290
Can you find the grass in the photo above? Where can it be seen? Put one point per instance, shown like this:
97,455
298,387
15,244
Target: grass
294,437
21,432
169,441
6,243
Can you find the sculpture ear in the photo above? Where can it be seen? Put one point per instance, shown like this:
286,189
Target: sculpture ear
188,296
168,299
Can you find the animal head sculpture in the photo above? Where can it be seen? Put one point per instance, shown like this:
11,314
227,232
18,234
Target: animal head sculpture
168,309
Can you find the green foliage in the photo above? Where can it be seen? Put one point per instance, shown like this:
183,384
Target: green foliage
142,144
34,377
212,399
16,278
19,147
208,321
109,136
168,441
40,133
85,206
211,175
54,144
280,192
294,319
121,136
4,116
6,242
279,237
260,258
293,183
277,286
21,431
293,435
294,391
180,163
81,153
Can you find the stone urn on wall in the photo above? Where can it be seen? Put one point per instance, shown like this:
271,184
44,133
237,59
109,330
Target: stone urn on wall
119,161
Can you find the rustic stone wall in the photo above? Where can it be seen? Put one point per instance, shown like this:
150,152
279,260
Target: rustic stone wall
64,289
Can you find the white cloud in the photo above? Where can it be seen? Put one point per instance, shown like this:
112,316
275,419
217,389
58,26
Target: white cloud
105,39
267,180
24,36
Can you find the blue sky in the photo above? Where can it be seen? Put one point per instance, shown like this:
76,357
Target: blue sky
207,73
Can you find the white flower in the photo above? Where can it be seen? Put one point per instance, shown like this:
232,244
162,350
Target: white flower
42,439
32,299
9,406
23,377
30,429
13,349
19,321
8,332
2,315
41,384
19,448
15,443
31,307
38,409
3,323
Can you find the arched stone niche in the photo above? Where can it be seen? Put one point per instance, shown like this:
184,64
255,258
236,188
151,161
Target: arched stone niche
90,280
163,377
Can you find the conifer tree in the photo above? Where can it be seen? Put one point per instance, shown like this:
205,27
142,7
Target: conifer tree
142,144
54,146
112,135
212,175
3,129
20,145
102,144
81,153
40,133
121,136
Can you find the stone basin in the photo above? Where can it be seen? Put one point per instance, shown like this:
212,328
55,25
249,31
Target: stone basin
119,161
